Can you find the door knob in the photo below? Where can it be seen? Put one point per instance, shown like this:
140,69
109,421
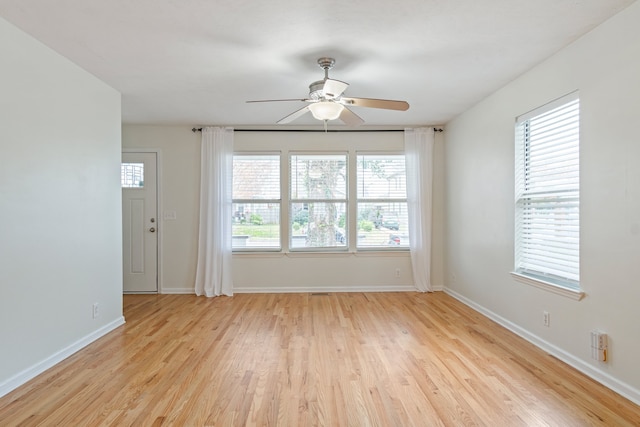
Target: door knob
152,229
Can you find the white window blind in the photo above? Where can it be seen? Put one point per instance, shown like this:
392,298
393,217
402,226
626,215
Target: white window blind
256,201
382,201
318,196
548,193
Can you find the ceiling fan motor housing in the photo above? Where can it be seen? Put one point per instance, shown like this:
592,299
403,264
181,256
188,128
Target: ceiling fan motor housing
315,90
326,63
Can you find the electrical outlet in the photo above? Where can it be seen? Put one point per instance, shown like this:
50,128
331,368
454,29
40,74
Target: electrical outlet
95,312
599,346
546,318
397,272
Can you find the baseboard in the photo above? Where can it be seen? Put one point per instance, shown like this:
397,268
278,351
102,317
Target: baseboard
35,370
602,377
300,289
310,289
178,291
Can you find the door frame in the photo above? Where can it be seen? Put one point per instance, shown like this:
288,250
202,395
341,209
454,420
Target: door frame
160,216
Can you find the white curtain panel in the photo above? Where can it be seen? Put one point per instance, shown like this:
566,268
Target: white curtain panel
213,274
418,146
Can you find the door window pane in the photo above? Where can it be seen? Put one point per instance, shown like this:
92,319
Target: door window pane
132,175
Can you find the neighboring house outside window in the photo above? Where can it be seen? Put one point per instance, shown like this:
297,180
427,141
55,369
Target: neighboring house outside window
547,222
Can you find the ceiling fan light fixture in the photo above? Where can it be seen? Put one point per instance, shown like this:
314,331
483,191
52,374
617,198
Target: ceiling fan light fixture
327,101
326,110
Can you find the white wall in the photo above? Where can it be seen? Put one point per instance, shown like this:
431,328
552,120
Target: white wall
60,208
281,272
604,66
179,185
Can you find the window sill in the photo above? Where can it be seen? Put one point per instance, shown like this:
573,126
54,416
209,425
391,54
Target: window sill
548,286
401,252
319,254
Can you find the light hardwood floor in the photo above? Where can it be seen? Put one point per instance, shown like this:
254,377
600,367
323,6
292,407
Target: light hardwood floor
352,359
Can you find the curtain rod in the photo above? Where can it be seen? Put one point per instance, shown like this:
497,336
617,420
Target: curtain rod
317,130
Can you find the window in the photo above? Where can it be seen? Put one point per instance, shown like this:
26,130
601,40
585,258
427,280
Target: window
132,175
318,195
308,201
256,201
382,201
547,193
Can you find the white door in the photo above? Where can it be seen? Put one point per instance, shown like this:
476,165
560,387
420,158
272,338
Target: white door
139,223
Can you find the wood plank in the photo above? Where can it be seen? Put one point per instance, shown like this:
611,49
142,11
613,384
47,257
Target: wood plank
377,359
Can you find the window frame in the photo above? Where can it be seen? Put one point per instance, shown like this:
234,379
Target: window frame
278,202
533,189
358,201
291,201
285,151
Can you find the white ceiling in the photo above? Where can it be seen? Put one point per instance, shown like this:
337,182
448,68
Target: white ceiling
196,62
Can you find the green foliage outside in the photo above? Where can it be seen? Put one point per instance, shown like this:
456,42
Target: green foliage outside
264,231
255,219
301,217
323,231
365,225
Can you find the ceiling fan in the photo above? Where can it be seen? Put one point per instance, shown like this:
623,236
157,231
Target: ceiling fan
327,101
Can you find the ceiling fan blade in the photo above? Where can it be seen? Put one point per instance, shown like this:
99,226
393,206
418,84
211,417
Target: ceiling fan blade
279,100
350,118
386,104
291,117
333,88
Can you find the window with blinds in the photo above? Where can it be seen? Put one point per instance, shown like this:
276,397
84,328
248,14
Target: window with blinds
318,213
382,201
318,195
547,245
256,201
